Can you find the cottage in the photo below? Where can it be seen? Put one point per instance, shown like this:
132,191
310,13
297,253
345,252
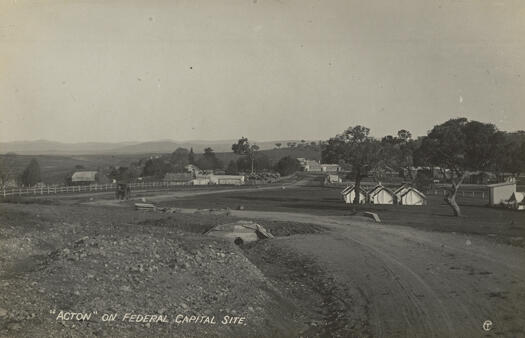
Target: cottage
309,165
330,168
226,179
201,181
500,192
349,195
406,195
84,177
381,195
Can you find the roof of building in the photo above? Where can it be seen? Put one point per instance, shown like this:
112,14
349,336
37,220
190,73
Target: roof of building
500,184
350,188
409,189
229,177
378,188
84,176
400,189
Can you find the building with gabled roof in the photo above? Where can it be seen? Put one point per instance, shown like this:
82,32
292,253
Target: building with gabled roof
381,195
348,194
407,195
84,177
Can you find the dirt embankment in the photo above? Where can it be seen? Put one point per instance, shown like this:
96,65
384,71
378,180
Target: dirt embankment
114,261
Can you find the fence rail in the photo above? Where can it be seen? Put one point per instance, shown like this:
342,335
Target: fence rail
462,193
63,189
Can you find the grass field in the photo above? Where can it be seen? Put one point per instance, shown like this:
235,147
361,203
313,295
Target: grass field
500,224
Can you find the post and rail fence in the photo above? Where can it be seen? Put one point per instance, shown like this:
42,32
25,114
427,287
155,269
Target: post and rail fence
64,189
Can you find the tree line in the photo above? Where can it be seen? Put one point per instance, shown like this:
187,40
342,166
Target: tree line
456,147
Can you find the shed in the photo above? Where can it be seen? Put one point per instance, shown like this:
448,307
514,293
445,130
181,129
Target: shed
227,179
330,168
381,195
349,194
406,195
84,177
500,192
201,181
311,166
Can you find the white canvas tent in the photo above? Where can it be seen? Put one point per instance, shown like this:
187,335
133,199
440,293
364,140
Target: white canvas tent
349,195
517,201
381,195
410,196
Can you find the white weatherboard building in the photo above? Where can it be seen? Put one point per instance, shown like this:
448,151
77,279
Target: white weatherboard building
84,177
410,196
500,192
381,195
349,195
219,179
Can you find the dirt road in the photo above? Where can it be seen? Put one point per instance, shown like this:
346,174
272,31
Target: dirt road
417,283
189,193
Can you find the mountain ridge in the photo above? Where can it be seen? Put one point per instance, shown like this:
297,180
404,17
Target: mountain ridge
47,147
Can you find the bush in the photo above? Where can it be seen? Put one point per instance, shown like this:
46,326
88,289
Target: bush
287,166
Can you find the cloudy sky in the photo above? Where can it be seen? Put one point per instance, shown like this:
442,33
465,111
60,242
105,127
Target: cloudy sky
124,70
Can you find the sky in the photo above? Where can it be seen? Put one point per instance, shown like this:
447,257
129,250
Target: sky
127,70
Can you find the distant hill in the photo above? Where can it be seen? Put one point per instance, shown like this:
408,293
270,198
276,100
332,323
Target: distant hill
44,147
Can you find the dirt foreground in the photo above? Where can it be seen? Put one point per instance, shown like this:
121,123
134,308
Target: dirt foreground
64,269
413,283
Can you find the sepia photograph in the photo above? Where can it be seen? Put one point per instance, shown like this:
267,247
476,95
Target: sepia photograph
262,168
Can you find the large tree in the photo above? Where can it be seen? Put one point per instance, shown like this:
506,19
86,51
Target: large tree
510,156
31,174
157,167
287,166
191,156
208,160
457,146
398,151
244,147
232,168
353,147
180,158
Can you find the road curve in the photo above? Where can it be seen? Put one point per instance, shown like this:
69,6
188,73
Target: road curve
417,283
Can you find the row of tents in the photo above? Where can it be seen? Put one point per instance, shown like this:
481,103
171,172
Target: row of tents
404,195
